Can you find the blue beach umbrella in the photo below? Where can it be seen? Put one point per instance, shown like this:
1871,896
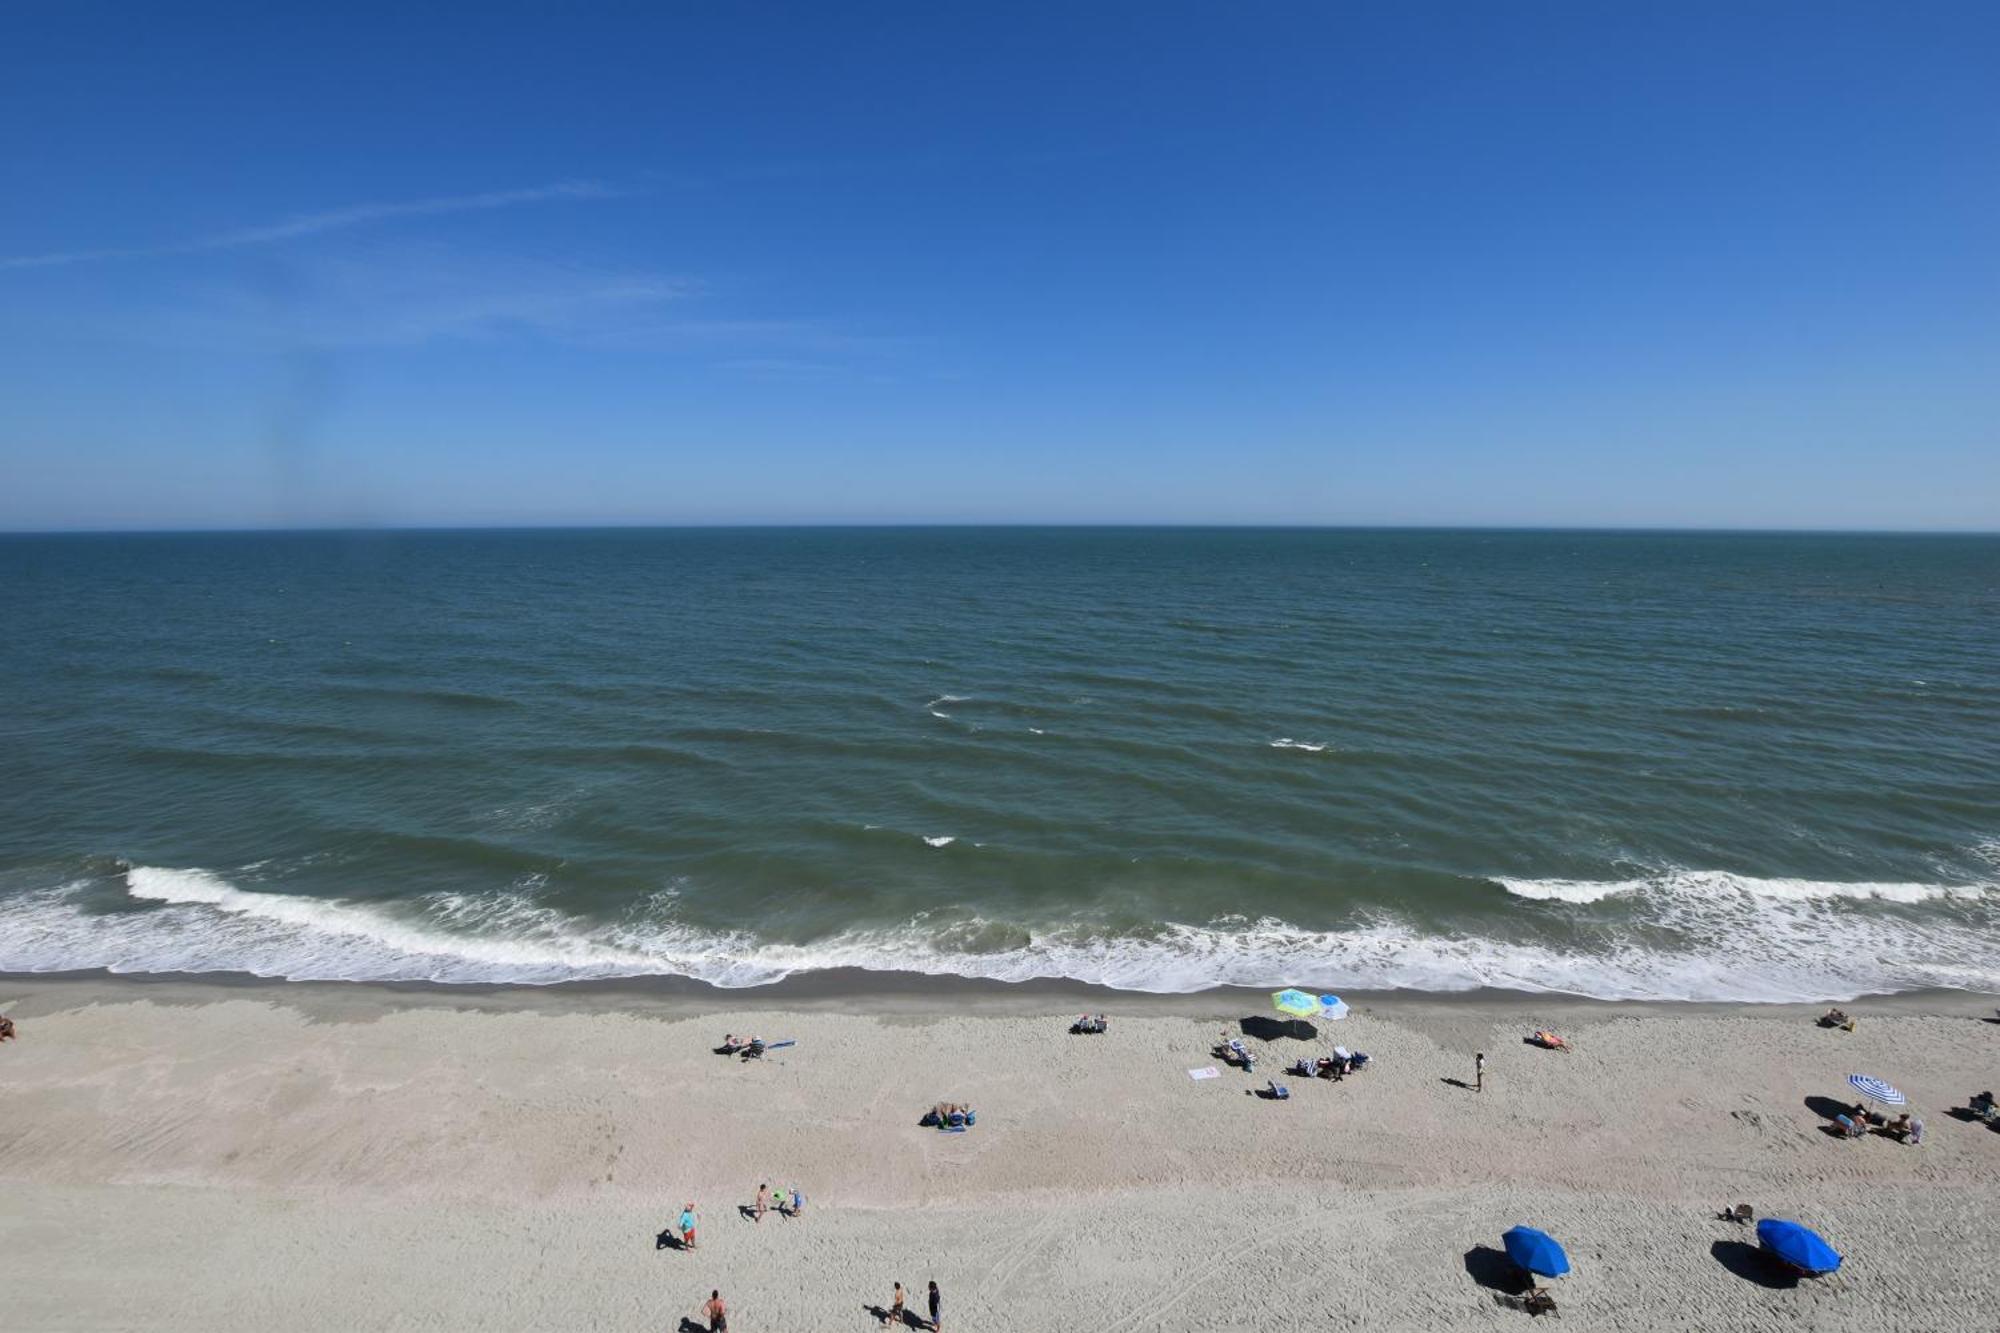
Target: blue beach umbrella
1877,1089
1797,1247
1332,1006
1536,1251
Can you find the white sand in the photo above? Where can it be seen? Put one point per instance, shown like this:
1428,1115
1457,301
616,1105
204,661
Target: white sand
253,1158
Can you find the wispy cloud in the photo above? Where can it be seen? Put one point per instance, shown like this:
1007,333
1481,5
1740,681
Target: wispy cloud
405,295
337,219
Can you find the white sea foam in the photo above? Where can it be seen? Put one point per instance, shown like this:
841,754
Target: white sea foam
1713,883
1734,944
1287,743
944,840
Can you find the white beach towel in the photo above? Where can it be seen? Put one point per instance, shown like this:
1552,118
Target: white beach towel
1208,1072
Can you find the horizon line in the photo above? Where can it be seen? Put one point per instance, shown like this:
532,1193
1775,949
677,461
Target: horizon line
364,530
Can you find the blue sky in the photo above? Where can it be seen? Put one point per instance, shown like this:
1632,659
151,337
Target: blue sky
1697,264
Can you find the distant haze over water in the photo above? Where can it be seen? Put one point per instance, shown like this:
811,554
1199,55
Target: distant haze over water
1615,764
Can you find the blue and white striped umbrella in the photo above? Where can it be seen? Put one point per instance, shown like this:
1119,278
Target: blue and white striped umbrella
1877,1089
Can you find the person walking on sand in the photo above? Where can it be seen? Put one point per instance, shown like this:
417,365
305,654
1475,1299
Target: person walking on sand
1479,1072
716,1313
763,1201
687,1226
937,1321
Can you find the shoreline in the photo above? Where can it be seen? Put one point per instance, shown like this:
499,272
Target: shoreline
895,993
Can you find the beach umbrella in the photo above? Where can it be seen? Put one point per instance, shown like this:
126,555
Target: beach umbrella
1878,1090
1296,1003
1332,1006
1535,1251
1797,1246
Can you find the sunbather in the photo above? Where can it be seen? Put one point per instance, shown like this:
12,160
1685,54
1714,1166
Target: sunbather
1549,1041
1984,1107
1851,1127
1233,1051
1835,1018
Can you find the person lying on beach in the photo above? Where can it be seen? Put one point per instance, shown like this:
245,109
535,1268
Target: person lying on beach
1984,1106
1090,1023
731,1043
754,1049
1549,1041
6,1028
1835,1018
1851,1127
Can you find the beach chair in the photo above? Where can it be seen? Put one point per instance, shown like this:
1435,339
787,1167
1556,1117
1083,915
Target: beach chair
1539,1301
1850,1128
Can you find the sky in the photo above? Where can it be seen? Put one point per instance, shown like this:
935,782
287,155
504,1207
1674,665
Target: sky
1700,264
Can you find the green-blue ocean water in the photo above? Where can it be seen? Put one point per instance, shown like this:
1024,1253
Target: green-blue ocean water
1684,765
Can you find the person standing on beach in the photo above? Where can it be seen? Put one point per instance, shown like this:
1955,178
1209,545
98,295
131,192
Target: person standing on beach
717,1313
763,1200
1479,1072
937,1321
687,1226
896,1306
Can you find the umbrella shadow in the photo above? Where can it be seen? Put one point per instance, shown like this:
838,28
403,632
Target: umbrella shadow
1753,1265
1270,1029
1826,1108
1493,1270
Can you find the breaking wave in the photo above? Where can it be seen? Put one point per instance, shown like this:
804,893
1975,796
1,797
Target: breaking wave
1683,936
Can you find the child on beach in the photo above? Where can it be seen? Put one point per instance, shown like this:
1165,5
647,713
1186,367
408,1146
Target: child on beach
763,1201
687,1226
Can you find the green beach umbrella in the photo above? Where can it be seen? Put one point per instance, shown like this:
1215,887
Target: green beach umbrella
1296,1003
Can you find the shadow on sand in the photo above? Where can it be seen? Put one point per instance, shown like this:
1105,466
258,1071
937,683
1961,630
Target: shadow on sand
1753,1265
1493,1270
1270,1029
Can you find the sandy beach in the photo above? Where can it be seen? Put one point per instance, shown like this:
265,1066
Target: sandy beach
196,1155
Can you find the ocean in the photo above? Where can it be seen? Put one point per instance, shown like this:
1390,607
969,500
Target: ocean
1682,766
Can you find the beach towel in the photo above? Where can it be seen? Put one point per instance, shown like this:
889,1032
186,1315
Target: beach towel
1206,1071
